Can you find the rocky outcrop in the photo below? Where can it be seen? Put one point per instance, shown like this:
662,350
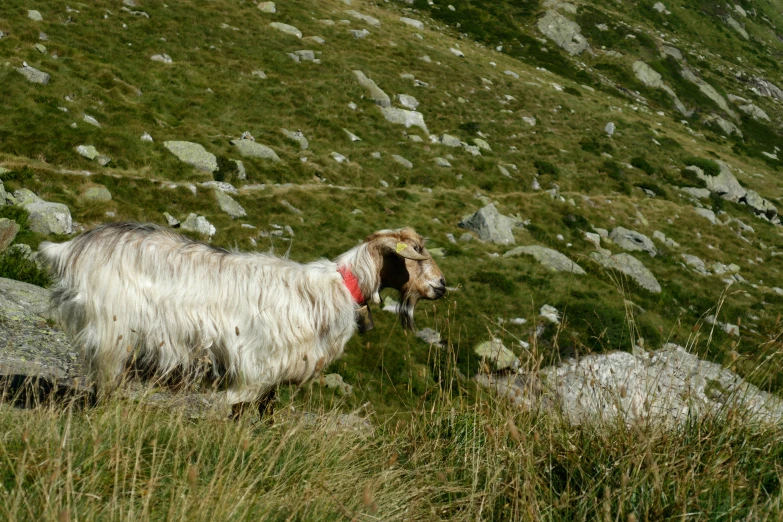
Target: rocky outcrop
726,186
630,266
34,355
565,33
491,225
551,259
667,387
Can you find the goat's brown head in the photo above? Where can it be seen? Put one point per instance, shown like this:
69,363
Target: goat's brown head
406,266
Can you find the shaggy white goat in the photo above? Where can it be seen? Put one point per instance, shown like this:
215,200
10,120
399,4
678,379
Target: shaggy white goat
141,294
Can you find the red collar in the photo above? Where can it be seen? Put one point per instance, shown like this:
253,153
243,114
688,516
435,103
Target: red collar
351,283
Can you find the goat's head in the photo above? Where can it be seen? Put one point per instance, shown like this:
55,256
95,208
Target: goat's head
404,264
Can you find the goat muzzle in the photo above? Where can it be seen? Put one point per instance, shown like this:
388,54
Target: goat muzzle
364,319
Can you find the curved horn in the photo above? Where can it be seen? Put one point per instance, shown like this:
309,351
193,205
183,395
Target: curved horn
392,245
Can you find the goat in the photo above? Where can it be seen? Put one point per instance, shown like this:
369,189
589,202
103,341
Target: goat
132,293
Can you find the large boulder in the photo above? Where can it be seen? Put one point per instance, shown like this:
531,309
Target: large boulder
44,217
193,154
724,184
668,387
632,241
565,33
491,225
33,351
630,266
551,259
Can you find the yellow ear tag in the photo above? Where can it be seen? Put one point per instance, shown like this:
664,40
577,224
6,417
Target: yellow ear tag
401,247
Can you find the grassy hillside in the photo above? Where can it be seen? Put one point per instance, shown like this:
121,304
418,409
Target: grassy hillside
566,175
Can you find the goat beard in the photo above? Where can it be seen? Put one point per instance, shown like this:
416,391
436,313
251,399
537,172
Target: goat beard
406,308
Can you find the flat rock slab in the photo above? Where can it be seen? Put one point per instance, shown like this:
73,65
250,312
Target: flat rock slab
668,387
253,149
287,29
31,349
229,205
193,154
552,259
630,266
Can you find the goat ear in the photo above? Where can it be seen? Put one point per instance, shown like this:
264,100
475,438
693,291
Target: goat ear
390,245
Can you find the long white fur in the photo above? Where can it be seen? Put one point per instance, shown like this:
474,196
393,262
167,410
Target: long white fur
140,291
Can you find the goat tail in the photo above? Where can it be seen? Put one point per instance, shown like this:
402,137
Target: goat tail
54,256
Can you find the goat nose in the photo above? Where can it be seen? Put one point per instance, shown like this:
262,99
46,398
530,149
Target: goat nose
442,281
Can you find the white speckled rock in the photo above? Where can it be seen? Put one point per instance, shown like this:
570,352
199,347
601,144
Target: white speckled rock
192,154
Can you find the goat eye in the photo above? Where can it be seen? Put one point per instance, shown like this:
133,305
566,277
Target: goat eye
417,248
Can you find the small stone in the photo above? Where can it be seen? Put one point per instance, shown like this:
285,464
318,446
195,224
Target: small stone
34,15
363,17
351,135
334,381
92,121
287,29
339,158
192,154
416,24
40,48
529,120
359,34
162,58
99,193
229,205
457,52
609,129
494,353
550,313
33,75
267,7
146,137
198,224
409,102
405,117
88,151
171,220
428,335
259,74
402,161
442,162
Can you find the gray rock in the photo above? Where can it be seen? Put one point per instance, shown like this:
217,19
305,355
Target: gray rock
171,220
91,121
49,218
632,241
416,24
146,137
255,150
442,162
228,188
658,6
512,74
99,193
491,225
162,58
8,231
609,129
229,205
450,141
405,117
565,33
707,214
671,51
708,90
316,39
696,263
241,172
198,224
192,154
267,7
767,88
402,161
33,75
647,75
737,27
359,34
759,205
32,349
34,15
23,197
668,387
305,55
351,135
376,94
551,259
407,101
466,237
498,356
483,145
363,17
726,126
631,267
457,52
698,193
550,313
297,137
724,184
334,381
3,194
755,111
88,151
287,29
339,158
